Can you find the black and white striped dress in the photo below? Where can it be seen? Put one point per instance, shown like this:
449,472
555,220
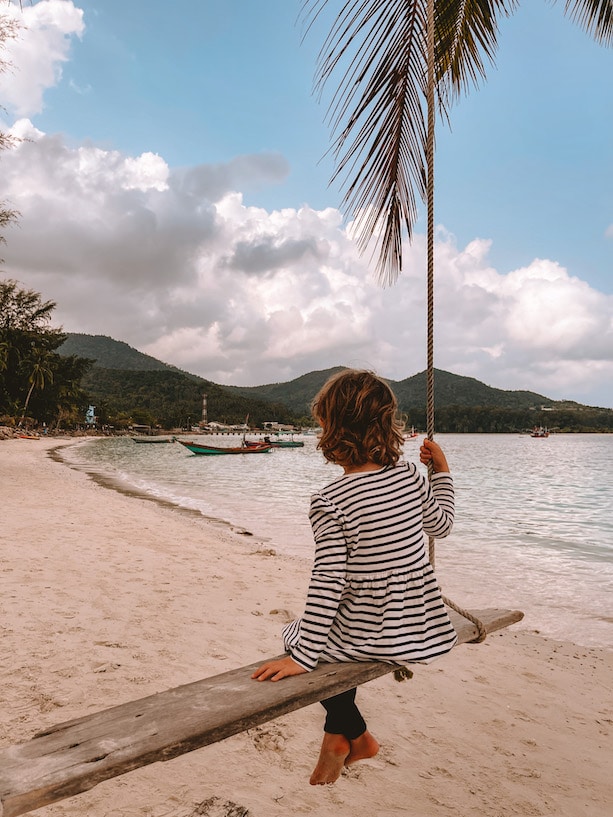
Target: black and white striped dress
373,593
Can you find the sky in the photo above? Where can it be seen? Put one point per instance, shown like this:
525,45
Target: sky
173,183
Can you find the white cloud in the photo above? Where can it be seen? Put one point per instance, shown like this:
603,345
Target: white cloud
174,263
37,53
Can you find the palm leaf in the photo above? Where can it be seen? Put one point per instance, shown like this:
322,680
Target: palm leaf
376,117
595,16
376,53
466,42
378,112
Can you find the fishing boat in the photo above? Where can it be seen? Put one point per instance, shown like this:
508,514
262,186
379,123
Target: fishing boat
276,443
539,432
204,448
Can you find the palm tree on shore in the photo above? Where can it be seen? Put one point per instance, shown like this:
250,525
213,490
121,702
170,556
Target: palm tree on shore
40,373
393,69
4,355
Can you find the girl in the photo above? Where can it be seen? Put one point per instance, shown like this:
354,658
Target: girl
373,594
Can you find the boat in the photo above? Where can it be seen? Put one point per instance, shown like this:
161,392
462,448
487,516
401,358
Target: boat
539,432
28,436
204,448
410,435
276,443
153,439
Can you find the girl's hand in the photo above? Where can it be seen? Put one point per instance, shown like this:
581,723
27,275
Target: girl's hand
432,452
280,668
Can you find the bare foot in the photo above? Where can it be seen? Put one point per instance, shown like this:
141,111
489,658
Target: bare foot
332,757
361,748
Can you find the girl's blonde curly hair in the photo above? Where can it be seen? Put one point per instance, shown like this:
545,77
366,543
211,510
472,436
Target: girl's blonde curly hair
358,413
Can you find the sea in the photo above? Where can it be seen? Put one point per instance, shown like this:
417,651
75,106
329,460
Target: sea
533,529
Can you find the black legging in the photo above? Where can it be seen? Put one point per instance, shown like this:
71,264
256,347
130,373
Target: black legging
343,717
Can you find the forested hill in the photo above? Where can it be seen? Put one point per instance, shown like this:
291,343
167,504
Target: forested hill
125,383
111,354
295,394
456,390
449,390
127,386
463,404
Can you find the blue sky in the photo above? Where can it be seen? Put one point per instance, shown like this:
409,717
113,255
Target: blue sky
528,162
223,92
212,80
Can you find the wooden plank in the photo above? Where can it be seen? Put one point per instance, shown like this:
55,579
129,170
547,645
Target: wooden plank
75,756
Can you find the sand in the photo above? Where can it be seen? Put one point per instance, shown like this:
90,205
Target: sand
105,598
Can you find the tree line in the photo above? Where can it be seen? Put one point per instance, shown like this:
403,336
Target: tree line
171,399
37,385
494,420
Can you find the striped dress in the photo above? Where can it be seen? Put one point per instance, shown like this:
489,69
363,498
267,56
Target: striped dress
373,594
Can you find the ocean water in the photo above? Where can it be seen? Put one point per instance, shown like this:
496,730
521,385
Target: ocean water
533,530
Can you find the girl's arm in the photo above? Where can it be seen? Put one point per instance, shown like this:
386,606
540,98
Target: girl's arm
326,585
323,596
438,502
438,505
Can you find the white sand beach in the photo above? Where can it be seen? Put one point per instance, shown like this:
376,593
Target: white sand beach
105,598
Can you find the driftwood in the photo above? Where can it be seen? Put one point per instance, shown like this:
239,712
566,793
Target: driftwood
75,756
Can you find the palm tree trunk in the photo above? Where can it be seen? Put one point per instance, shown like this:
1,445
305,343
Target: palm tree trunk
25,405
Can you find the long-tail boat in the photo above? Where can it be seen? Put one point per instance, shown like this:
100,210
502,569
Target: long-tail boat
276,443
204,448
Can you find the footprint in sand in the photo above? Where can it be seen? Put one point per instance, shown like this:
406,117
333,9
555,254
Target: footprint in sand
216,807
267,737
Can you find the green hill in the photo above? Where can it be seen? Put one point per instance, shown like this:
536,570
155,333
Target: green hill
111,354
172,399
125,384
449,390
295,394
456,390
463,404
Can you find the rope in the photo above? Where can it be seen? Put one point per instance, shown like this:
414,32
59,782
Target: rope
430,239
482,633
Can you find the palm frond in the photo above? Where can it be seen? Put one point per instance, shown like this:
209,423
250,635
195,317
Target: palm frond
376,53
466,42
378,112
595,16
377,119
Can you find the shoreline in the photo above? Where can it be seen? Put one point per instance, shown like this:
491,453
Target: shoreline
114,484
108,596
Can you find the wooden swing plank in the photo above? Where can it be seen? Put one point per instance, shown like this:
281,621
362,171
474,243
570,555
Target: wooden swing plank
75,756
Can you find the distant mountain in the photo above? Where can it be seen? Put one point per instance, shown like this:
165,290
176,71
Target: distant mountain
111,354
457,390
295,394
449,390
127,383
